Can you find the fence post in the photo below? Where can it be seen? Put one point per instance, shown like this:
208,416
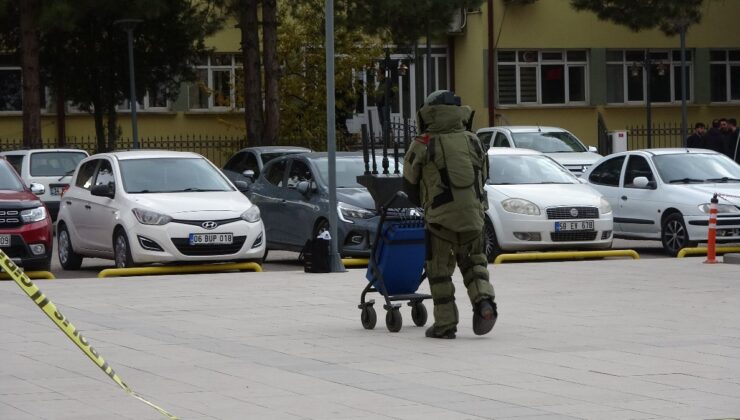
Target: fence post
712,236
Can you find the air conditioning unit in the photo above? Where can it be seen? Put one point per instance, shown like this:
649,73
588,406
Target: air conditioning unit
457,25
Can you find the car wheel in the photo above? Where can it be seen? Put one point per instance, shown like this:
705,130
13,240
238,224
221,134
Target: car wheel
491,246
121,250
674,235
68,258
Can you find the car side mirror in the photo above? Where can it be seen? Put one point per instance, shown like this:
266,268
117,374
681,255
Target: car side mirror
104,190
642,182
593,149
249,174
37,189
242,186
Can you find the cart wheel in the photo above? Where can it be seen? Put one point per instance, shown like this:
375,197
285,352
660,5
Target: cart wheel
393,320
368,317
419,314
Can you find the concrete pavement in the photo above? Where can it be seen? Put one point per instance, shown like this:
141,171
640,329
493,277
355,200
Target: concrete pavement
607,339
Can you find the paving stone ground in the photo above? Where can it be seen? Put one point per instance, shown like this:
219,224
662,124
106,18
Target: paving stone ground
608,339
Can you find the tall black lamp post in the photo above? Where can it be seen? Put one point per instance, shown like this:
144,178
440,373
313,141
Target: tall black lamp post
128,25
646,66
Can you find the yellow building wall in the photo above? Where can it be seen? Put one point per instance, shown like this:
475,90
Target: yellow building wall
554,24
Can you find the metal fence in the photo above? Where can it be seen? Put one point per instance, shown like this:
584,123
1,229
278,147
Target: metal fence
217,149
661,135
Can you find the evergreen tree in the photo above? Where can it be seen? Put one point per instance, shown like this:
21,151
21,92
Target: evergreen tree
668,15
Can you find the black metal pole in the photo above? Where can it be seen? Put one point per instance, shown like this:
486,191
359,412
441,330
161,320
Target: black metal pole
132,100
365,153
684,110
648,109
386,110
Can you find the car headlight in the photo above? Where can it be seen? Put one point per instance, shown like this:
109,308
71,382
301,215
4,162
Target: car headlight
33,215
721,208
347,212
252,215
148,217
605,207
520,206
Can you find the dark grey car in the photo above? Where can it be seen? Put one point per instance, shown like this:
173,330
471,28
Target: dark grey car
293,196
254,159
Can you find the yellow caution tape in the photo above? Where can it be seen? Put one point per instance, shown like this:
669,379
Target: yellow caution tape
63,323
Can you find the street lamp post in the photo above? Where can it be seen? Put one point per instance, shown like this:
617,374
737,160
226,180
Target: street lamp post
128,25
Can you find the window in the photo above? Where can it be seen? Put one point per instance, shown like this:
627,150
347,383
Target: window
485,138
85,174
627,80
542,77
637,166
219,83
55,163
105,174
608,173
724,75
299,172
275,172
11,90
242,162
16,161
501,141
153,100
8,180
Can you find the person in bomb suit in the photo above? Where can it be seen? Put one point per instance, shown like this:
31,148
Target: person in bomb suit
444,172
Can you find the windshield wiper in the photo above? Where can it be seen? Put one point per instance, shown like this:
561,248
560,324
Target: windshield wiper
685,180
139,192
197,190
723,179
554,182
66,174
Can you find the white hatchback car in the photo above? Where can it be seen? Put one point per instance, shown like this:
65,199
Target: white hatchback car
664,194
51,168
140,207
555,142
534,203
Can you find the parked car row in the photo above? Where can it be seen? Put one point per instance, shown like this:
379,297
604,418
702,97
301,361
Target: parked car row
141,207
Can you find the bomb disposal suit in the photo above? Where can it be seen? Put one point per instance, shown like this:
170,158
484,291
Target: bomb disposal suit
444,172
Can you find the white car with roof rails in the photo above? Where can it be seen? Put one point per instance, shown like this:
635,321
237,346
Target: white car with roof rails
558,143
665,194
140,207
51,168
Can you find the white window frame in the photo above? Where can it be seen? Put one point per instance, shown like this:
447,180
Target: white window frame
671,66
567,65
210,67
728,65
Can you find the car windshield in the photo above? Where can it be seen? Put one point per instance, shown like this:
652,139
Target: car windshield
693,167
55,163
349,168
170,175
9,179
527,169
549,142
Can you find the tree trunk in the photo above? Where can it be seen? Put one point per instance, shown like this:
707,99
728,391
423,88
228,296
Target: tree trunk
112,126
99,127
252,80
272,72
61,108
30,70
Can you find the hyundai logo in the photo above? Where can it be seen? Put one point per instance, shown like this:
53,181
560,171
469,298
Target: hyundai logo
573,213
209,225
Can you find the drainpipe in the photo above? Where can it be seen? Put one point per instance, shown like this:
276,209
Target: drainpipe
491,73
451,61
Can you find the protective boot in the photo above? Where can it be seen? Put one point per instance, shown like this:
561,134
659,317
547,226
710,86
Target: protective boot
433,333
484,316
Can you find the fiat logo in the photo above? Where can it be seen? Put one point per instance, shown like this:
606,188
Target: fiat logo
209,225
573,212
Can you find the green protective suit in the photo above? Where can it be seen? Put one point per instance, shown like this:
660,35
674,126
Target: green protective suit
444,172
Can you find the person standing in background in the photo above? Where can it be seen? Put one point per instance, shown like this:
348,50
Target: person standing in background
696,139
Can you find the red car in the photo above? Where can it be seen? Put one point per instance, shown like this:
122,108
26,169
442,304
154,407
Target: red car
25,225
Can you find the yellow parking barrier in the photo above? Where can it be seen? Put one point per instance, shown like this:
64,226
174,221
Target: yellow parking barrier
31,275
179,269
702,250
355,262
566,255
